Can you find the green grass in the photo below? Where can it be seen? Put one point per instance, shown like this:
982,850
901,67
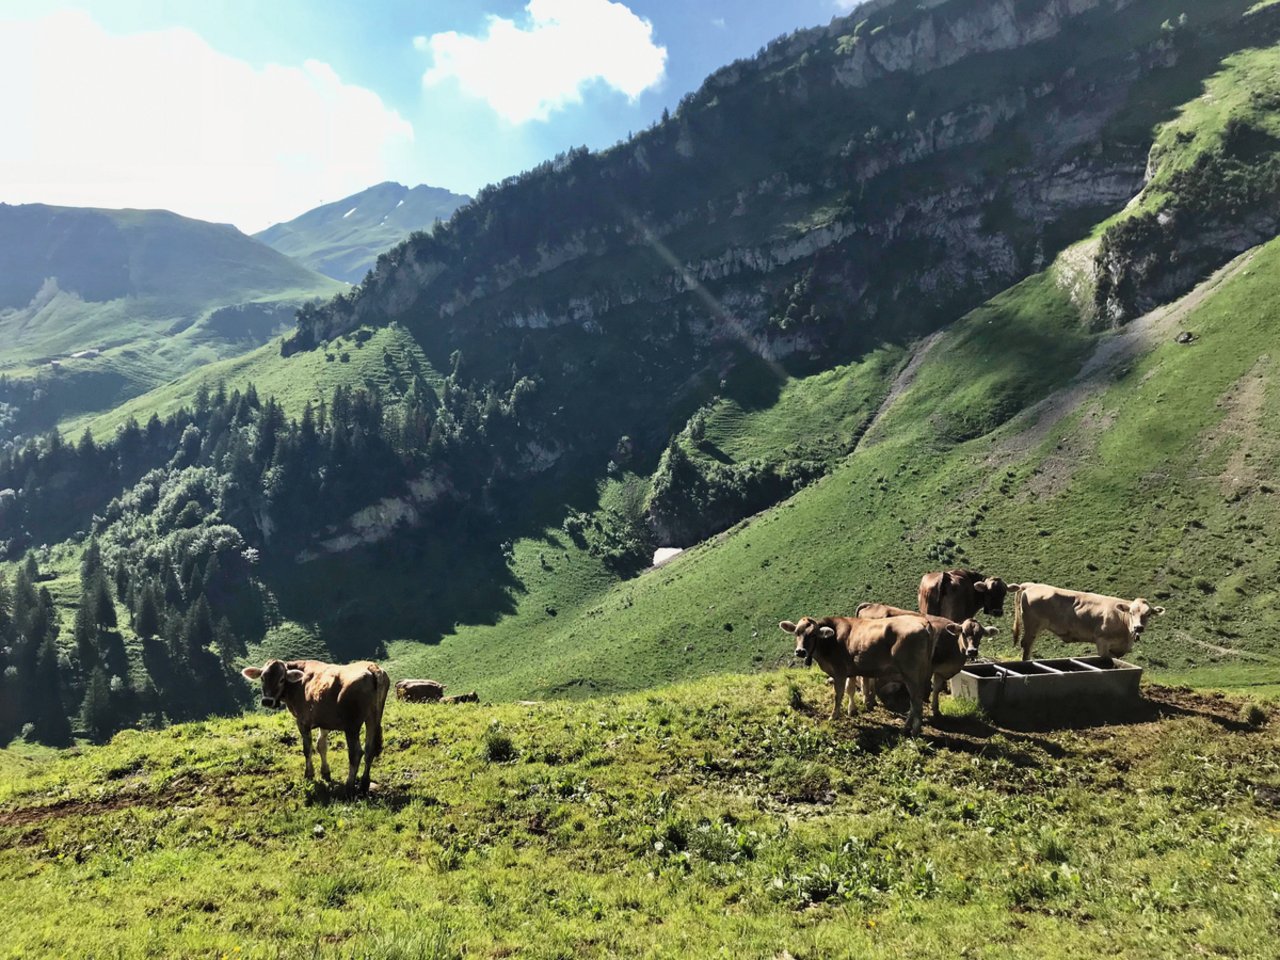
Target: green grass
184,294
387,360
704,818
763,413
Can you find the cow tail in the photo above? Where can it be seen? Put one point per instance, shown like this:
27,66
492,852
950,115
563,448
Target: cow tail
374,738
1017,615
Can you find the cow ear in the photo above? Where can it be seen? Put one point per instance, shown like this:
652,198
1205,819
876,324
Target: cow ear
954,629
990,631
980,586
1158,611
1124,607
251,673
826,633
786,626
293,676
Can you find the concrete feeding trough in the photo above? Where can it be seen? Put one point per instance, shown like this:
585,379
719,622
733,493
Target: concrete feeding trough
1082,687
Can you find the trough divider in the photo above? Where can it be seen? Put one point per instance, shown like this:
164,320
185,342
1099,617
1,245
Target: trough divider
1087,666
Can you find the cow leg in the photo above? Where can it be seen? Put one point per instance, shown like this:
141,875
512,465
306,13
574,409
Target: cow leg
353,757
322,746
310,772
839,685
869,692
370,739
938,684
915,716
1030,629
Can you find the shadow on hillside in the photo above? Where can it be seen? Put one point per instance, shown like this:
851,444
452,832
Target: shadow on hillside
421,583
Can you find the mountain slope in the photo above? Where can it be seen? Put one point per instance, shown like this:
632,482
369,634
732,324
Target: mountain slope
521,406
143,294
343,239
1146,472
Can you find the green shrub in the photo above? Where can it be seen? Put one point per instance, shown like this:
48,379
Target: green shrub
498,746
1253,713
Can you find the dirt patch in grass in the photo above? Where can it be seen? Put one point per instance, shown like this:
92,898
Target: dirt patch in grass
1240,431
26,816
905,378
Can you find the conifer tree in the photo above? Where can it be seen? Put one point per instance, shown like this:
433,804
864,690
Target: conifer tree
50,716
104,607
98,712
199,629
85,632
146,622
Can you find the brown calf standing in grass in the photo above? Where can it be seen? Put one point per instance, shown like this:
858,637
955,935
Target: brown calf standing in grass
951,651
898,648
324,697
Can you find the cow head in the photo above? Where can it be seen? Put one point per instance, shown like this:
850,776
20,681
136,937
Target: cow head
971,634
807,634
992,592
275,675
1139,612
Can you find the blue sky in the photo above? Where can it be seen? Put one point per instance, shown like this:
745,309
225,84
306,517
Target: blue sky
252,111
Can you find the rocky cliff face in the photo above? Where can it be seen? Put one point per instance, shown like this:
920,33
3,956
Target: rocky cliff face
953,196
859,183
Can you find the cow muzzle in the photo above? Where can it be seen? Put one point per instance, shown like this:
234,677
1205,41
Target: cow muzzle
273,703
808,657
971,653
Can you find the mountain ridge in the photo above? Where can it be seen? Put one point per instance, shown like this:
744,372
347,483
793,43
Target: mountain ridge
343,239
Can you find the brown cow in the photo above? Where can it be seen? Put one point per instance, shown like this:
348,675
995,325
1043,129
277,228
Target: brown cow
1113,625
418,691
324,697
950,651
898,647
959,595
471,697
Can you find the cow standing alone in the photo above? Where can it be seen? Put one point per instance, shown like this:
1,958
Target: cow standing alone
897,647
1113,625
324,697
959,595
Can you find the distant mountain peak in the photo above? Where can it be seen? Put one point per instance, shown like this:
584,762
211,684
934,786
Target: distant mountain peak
343,238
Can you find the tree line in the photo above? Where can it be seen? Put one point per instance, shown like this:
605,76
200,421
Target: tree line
176,516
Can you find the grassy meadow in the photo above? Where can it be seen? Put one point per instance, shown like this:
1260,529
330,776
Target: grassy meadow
723,817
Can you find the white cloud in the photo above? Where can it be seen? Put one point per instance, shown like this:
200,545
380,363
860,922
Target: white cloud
526,73
718,22
161,119
847,5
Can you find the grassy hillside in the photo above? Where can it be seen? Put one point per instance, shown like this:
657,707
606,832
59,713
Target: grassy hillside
385,359
722,816
144,294
343,239
482,526
1147,476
